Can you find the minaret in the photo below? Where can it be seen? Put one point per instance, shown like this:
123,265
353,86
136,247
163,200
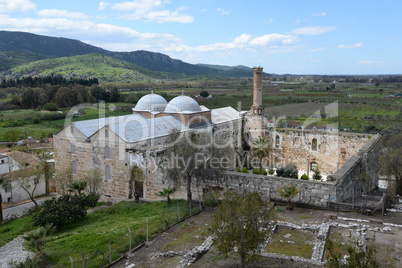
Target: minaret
257,108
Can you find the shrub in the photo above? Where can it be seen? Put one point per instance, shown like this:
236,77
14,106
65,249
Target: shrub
291,171
50,106
211,200
244,170
317,175
92,200
271,171
132,98
280,171
264,172
61,211
304,177
35,120
238,170
204,94
256,171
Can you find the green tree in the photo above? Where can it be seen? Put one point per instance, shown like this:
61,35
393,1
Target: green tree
132,98
94,179
260,149
242,223
182,154
166,192
204,94
50,106
37,240
358,258
288,192
391,161
12,135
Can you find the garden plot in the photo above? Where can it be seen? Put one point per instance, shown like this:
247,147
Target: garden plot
288,242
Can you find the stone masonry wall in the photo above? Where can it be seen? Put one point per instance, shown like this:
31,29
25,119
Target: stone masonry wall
360,174
333,150
312,193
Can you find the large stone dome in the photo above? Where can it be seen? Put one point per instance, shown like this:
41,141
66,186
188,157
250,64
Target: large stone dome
182,104
152,103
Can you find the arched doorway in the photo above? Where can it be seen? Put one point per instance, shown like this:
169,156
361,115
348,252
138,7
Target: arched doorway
136,184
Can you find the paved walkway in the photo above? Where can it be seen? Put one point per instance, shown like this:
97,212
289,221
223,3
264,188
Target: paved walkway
20,209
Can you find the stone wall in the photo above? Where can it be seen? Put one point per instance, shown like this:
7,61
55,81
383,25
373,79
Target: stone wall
360,174
332,151
312,193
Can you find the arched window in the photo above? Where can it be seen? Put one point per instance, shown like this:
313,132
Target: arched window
72,145
72,129
106,133
277,141
74,167
107,152
314,144
313,166
108,173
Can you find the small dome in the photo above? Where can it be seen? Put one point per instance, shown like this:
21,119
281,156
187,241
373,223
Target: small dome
182,104
152,103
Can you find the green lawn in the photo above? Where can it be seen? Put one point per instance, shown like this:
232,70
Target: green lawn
90,234
14,228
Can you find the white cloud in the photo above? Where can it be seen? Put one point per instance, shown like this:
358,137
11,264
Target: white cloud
102,5
317,49
274,39
222,11
351,46
150,10
168,16
61,13
313,30
15,5
203,10
100,34
270,21
244,41
372,63
322,14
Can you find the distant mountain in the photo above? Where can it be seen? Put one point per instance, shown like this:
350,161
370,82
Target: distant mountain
10,59
240,69
64,47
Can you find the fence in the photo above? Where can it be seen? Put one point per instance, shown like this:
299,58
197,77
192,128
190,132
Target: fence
136,238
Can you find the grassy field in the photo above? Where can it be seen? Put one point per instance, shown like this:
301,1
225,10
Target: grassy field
90,234
14,228
299,243
47,127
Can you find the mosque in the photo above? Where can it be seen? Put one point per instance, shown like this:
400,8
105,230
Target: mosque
127,149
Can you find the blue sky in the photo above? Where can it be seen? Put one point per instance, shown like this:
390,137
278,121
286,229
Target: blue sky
288,36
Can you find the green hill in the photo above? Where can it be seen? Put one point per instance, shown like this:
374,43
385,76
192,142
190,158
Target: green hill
157,62
106,69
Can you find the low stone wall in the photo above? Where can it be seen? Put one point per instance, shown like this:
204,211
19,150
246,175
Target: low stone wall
313,193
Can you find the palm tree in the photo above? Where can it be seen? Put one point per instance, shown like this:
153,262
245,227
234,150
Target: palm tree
78,186
260,150
166,192
288,192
